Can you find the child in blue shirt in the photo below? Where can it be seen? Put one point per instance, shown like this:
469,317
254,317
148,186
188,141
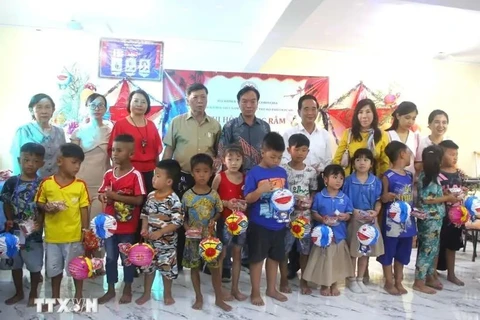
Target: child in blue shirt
265,236
365,190
397,185
332,207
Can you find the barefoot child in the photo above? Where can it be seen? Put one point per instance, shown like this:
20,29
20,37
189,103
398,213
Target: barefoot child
229,185
431,200
122,193
450,235
18,195
63,200
397,184
265,236
161,217
202,207
332,207
365,190
302,181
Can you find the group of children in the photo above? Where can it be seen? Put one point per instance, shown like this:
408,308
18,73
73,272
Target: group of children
344,204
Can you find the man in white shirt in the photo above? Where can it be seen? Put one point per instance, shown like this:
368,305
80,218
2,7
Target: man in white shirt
319,155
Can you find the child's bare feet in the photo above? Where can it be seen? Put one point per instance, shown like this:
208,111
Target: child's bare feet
455,280
257,300
325,291
106,297
284,287
304,288
31,302
126,296
239,296
334,290
391,289
16,298
143,299
222,305
276,295
198,304
227,296
401,289
435,284
168,300
423,288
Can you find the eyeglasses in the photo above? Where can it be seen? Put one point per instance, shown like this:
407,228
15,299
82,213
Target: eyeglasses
94,106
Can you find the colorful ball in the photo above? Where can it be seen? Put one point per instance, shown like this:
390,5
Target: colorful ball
322,236
103,225
282,202
80,268
9,245
236,223
367,235
458,215
473,206
300,227
399,212
141,254
210,249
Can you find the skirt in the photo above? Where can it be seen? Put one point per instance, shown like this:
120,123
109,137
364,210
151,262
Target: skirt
375,251
329,265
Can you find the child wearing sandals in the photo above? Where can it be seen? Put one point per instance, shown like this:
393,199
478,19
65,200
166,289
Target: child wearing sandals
161,217
327,266
365,190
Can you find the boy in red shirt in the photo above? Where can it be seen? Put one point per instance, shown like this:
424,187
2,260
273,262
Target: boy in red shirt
122,193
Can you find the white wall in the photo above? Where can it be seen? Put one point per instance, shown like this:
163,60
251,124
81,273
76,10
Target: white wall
431,84
31,60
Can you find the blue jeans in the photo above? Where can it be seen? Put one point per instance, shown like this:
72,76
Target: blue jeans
112,252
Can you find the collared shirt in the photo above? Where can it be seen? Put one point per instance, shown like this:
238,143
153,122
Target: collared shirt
187,138
249,137
326,205
320,154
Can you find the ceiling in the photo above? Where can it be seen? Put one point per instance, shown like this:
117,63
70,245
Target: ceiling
444,29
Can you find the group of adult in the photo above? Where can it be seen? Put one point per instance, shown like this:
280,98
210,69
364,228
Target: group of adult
196,132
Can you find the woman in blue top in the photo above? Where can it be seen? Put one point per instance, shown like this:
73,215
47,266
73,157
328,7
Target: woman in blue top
365,190
332,207
41,131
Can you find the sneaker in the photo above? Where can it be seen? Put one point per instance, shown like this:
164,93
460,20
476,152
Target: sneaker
362,286
353,285
226,275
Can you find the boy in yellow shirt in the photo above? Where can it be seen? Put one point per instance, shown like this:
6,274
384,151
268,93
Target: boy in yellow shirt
63,201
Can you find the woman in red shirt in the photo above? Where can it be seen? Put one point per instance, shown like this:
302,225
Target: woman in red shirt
148,144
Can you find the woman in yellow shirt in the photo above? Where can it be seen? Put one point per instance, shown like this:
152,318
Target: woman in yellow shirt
364,133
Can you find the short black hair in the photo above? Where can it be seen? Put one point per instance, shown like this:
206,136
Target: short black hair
143,93
72,150
201,158
273,141
306,97
124,138
448,144
298,140
33,148
333,170
246,89
171,167
196,87
393,150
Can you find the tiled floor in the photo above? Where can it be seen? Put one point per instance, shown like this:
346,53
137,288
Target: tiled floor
452,303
